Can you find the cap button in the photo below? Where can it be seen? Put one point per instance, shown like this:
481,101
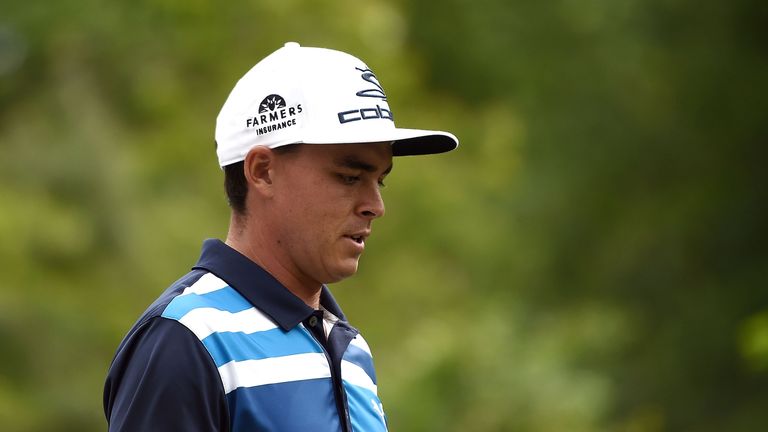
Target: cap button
292,45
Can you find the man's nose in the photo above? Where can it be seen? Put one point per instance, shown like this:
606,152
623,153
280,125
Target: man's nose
372,203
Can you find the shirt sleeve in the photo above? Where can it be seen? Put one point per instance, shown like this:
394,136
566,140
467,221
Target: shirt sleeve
163,379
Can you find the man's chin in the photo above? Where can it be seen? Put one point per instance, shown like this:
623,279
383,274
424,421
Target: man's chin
343,271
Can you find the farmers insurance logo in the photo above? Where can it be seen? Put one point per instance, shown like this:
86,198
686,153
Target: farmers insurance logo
274,114
368,112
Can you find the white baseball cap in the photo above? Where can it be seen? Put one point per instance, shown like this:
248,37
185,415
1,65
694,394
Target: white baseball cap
301,95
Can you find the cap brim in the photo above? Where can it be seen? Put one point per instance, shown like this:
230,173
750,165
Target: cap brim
405,142
423,142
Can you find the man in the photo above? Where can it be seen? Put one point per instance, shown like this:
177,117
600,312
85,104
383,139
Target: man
251,339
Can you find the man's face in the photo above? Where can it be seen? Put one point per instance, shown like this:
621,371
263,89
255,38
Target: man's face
325,200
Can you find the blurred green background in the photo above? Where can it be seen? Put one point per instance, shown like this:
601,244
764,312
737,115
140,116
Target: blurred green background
592,258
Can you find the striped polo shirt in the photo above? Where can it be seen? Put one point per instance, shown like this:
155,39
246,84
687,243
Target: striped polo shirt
228,348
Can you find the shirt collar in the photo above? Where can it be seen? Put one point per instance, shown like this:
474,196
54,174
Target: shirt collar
259,287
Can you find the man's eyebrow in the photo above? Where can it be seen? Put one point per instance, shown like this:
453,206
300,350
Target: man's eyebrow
353,162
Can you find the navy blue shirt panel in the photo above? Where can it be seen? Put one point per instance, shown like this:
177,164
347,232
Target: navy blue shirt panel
304,399
162,379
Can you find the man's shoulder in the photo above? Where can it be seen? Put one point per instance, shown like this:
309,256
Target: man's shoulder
211,306
155,310
204,304
177,288
208,291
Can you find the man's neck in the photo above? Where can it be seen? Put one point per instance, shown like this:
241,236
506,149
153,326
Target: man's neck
253,246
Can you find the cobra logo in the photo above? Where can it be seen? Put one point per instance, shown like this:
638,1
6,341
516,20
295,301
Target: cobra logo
378,92
368,112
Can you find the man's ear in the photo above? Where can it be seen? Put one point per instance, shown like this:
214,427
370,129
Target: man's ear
257,168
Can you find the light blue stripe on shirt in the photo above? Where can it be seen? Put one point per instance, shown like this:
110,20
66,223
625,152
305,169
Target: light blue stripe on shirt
226,299
365,410
237,346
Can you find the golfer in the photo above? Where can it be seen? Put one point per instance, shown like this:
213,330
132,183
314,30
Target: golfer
252,339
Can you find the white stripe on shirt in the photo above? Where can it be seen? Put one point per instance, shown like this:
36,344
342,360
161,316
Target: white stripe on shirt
204,321
252,373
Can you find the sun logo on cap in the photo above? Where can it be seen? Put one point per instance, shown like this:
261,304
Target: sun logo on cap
271,103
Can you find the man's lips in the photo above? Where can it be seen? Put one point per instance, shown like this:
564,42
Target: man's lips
359,236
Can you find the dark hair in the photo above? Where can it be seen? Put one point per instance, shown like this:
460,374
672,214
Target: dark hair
235,184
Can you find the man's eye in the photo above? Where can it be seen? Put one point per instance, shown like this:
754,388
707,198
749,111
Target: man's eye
381,184
348,179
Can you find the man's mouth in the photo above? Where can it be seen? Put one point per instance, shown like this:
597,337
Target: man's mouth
359,237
